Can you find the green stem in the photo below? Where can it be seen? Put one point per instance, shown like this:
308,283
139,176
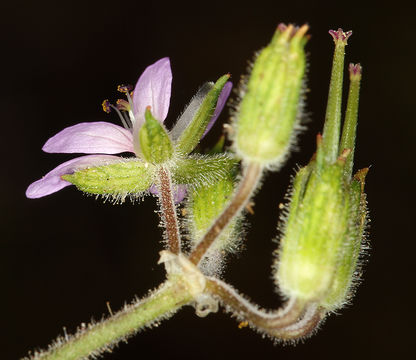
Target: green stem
97,338
294,321
246,187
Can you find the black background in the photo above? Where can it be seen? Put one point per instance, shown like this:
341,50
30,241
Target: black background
64,256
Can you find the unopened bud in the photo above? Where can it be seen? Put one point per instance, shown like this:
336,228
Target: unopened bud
268,115
314,234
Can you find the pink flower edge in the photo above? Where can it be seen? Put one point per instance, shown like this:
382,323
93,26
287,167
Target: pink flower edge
52,181
222,99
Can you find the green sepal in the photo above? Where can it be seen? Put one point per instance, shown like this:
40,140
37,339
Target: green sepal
193,133
313,235
206,203
203,207
218,147
202,170
155,143
345,275
126,177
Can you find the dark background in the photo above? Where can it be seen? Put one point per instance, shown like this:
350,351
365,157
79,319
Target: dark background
64,256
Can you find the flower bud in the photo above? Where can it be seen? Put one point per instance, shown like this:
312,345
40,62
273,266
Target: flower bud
205,204
321,238
268,115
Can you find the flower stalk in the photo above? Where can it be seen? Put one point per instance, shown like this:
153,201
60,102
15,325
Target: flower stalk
95,339
295,319
251,176
168,211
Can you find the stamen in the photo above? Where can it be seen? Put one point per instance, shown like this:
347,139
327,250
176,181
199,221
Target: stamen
125,89
123,105
107,106
129,95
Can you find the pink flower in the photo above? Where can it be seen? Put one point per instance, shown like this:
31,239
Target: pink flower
102,138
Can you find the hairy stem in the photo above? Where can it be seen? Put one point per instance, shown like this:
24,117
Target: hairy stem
305,326
244,191
270,322
92,340
168,210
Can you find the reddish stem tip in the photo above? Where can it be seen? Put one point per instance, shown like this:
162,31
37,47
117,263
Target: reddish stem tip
355,69
340,35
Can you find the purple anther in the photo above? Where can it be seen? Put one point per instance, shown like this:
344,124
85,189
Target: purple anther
106,106
124,88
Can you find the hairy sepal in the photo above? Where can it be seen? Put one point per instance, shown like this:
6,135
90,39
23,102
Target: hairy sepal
155,143
202,170
128,177
193,133
205,204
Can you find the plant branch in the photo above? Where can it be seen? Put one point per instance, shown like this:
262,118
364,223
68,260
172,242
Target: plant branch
168,210
245,189
294,320
304,327
94,339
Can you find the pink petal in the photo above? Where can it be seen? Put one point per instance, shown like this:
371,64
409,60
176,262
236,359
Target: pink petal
52,181
222,99
91,138
153,89
178,195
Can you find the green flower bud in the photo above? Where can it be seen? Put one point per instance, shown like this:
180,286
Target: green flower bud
268,115
155,143
129,177
314,234
205,204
